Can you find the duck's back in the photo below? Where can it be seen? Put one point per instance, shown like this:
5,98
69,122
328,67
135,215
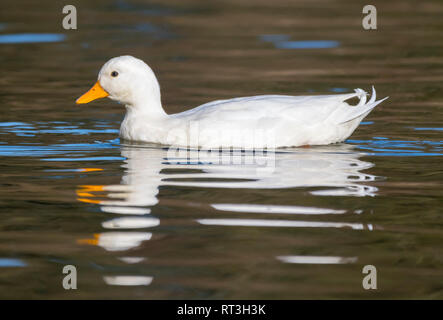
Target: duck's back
306,109
288,120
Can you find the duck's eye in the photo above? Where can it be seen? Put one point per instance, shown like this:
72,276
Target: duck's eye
114,73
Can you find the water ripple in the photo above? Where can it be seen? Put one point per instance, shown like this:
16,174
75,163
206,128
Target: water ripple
31,38
281,41
381,146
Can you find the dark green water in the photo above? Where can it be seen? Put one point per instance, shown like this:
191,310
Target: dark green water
141,223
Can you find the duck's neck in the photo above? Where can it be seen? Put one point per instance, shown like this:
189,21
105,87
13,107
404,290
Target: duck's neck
151,111
146,107
143,122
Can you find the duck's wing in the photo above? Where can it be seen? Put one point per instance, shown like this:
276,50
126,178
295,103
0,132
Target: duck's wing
299,109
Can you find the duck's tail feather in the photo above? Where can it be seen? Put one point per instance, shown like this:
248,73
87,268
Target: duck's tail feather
362,108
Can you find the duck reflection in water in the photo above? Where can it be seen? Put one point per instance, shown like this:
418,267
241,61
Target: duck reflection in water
331,170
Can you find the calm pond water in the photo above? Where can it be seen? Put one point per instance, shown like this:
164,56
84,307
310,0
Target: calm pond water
142,222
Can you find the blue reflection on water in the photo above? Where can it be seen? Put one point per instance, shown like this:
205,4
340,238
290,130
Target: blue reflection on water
77,131
26,129
42,150
31,37
12,124
11,262
274,37
340,90
311,44
428,129
32,149
85,159
281,41
381,146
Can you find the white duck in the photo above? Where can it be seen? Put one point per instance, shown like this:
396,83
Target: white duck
267,121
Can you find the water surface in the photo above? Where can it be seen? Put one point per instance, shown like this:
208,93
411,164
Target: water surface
140,221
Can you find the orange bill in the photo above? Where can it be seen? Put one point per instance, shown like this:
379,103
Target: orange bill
96,92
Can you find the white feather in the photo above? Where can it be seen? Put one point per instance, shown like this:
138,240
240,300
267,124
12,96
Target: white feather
362,109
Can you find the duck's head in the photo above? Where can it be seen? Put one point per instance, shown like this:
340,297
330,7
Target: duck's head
127,80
